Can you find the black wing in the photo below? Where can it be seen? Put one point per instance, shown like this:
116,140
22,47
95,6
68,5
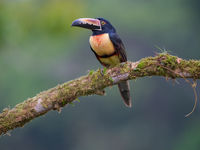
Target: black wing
119,46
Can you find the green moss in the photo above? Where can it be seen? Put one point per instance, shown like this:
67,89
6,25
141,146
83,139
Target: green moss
111,79
104,70
71,103
64,102
161,71
168,60
141,65
91,72
95,80
136,69
193,67
77,100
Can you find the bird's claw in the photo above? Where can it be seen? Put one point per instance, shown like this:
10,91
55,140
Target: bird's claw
102,71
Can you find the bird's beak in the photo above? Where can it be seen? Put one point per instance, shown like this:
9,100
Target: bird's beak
88,23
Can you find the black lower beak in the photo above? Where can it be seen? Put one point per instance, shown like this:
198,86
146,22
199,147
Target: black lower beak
88,23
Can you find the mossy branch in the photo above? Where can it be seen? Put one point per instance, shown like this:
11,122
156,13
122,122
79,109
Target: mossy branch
94,83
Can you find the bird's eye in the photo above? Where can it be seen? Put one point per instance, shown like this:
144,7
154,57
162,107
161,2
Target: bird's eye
103,22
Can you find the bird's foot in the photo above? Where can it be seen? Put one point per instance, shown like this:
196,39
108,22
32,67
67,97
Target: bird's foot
103,71
123,63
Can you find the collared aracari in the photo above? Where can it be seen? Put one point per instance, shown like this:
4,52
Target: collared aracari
107,47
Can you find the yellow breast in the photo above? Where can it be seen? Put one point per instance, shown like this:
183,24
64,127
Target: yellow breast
110,61
102,44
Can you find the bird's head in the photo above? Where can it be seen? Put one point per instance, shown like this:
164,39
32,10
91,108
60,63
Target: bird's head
97,25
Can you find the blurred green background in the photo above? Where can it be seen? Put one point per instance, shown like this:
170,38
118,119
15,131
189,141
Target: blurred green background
39,49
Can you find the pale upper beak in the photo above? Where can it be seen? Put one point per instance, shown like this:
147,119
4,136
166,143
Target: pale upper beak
88,23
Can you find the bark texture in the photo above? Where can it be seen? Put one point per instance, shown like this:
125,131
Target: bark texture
94,83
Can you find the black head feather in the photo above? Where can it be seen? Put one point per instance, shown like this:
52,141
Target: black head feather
106,27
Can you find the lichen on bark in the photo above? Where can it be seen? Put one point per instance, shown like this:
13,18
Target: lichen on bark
94,83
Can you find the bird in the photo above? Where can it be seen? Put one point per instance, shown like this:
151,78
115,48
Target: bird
107,47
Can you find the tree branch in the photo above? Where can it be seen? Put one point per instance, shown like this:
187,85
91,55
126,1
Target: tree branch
94,83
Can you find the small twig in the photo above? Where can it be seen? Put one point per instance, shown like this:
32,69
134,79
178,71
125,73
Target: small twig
195,98
193,85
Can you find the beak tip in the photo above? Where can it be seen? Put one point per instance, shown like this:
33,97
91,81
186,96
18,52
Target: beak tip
74,23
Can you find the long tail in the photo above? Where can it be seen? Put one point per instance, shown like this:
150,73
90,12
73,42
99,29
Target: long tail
125,92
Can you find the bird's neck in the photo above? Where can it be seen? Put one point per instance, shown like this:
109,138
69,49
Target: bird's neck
98,32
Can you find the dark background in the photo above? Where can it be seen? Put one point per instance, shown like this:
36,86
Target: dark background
39,49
